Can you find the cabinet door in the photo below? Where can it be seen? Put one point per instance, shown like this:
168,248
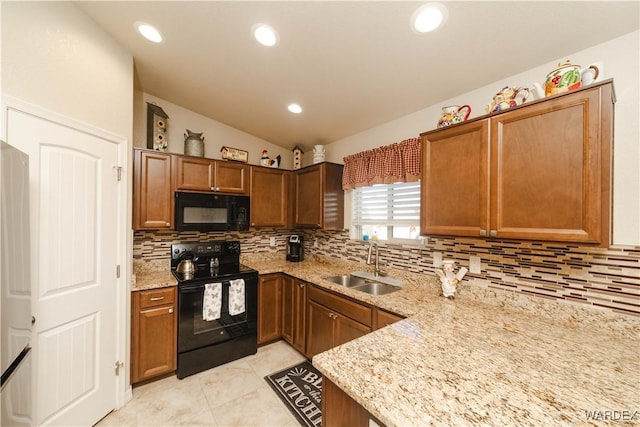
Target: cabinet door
194,174
154,334
299,315
319,328
308,212
153,200
346,330
385,318
269,194
269,308
288,308
455,188
339,409
546,170
231,177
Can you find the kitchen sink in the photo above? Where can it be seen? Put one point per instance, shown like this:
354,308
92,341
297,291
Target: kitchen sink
376,288
369,285
346,280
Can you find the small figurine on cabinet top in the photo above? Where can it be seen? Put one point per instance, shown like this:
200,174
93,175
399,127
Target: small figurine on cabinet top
265,160
157,123
297,157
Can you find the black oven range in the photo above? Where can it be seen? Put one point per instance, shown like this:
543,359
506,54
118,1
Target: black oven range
217,306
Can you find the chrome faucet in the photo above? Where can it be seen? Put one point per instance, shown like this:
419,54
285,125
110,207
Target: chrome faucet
376,270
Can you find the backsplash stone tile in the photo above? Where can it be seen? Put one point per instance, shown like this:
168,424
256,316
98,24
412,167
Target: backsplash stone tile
579,275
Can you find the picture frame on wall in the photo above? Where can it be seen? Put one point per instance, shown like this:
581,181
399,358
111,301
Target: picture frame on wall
234,154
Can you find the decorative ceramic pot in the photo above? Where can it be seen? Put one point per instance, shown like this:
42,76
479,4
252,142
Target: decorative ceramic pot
564,78
508,97
454,114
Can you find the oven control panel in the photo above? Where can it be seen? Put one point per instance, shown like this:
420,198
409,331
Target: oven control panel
208,249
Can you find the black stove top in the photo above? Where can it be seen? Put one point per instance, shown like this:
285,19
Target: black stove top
213,260
220,274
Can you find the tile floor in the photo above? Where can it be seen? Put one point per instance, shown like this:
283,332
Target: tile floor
234,394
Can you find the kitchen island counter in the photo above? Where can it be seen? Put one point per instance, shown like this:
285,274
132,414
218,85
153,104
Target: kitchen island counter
469,362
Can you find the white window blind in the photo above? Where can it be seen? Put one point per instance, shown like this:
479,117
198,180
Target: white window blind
388,211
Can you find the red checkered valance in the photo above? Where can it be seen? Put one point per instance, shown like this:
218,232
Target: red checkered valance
399,162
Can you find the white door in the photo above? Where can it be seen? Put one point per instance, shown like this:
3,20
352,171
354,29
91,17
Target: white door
74,220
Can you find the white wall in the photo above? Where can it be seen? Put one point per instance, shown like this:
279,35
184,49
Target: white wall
216,134
55,57
620,58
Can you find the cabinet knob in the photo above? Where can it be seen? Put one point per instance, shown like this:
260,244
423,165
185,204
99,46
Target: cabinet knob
171,310
493,233
483,232
301,285
167,224
213,188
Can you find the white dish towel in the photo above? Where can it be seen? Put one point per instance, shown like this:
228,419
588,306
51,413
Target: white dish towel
236,297
212,301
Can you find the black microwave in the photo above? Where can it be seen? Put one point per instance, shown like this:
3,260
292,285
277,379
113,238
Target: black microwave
211,212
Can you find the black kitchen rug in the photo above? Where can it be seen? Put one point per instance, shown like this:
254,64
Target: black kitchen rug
300,388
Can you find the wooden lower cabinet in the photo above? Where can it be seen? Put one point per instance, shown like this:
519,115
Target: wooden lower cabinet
294,303
269,308
385,318
300,315
333,320
153,333
340,410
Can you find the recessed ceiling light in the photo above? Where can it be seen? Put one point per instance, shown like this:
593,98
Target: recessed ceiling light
295,108
149,32
265,35
428,17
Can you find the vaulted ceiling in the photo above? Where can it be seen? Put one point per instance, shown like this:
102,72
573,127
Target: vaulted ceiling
350,65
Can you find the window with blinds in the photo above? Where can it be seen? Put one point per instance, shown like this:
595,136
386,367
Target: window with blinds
387,211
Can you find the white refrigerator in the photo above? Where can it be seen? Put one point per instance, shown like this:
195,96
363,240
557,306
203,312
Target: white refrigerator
15,295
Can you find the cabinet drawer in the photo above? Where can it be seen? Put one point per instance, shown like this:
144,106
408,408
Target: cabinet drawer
156,297
351,309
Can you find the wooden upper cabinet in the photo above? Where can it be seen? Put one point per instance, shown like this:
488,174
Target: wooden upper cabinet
269,197
319,198
455,180
231,177
200,174
152,196
541,171
550,164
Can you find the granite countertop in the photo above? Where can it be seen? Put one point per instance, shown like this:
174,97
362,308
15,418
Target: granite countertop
485,358
152,275
468,362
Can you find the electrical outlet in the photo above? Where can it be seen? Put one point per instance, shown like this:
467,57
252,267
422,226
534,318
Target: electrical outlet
437,259
474,264
315,243
272,242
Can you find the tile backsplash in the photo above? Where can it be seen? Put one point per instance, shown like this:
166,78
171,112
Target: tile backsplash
578,274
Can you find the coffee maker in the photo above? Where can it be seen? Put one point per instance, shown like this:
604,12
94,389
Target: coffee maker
295,250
